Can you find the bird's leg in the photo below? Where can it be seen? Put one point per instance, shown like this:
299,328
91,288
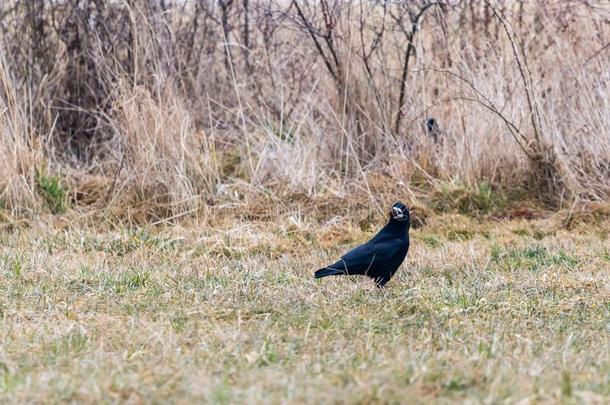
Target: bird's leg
380,282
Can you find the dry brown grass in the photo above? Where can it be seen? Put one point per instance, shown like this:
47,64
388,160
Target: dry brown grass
20,151
151,113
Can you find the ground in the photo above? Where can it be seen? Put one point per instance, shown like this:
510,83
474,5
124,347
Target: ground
482,310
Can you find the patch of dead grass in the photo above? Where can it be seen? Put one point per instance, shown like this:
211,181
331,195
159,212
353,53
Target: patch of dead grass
233,314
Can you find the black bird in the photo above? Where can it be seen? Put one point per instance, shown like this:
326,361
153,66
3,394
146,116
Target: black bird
433,129
380,257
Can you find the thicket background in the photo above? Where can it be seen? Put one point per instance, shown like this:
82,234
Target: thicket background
158,109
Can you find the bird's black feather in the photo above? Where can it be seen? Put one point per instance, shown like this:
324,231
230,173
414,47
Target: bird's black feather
380,257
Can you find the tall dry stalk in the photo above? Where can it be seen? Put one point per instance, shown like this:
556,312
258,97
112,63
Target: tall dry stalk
165,163
21,152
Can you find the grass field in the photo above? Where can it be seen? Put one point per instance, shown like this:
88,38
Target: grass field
486,311
173,172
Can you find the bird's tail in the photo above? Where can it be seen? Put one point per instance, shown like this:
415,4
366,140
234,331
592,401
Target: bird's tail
328,272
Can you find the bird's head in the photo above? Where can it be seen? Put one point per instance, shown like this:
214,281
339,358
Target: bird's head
399,212
432,128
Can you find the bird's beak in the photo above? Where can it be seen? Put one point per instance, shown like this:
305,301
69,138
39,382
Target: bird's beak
397,213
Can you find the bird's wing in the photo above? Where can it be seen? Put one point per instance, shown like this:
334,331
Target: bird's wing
360,259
